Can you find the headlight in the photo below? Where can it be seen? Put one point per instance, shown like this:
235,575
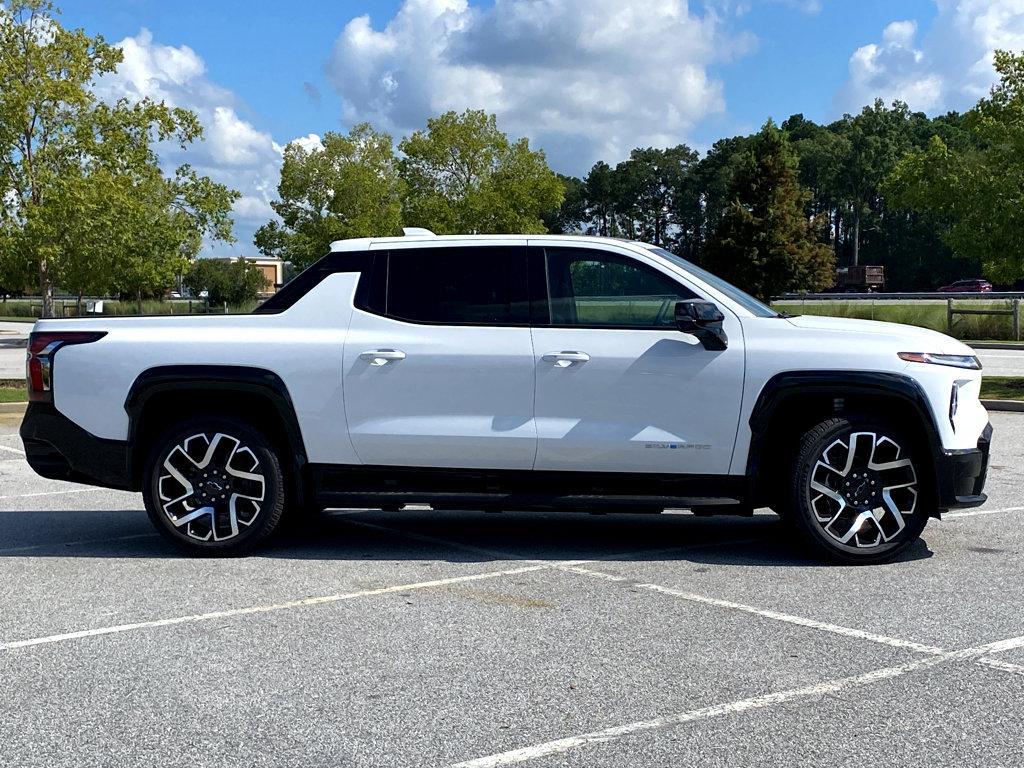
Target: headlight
957,361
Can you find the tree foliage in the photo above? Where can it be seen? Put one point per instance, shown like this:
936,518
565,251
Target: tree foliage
977,188
85,204
347,188
764,242
235,282
463,175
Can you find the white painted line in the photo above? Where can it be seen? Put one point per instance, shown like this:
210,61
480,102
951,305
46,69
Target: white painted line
577,567
317,601
834,686
11,448
971,513
828,627
50,493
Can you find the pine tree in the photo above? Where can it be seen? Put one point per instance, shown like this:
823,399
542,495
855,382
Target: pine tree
765,243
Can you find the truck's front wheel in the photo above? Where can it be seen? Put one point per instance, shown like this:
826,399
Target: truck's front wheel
214,486
856,492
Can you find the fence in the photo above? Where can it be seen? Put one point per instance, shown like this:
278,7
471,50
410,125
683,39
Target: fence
1013,311
899,296
69,308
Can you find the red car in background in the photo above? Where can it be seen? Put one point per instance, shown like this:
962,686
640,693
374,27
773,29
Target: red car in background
978,284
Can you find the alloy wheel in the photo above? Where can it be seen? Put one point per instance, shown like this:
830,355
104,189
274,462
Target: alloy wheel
862,489
211,487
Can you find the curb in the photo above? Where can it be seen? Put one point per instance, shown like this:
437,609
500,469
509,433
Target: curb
13,408
1000,405
995,345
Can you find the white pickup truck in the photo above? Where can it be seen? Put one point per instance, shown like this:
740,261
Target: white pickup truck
512,373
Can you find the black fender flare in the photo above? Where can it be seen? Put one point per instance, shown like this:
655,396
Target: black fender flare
227,378
840,384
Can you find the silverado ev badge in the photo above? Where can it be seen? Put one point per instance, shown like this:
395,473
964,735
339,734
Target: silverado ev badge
511,372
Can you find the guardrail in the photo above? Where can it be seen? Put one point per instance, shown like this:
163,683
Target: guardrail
937,295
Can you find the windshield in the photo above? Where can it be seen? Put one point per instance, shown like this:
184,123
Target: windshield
742,298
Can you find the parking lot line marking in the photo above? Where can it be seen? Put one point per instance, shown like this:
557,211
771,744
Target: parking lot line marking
11,448
49,493
792,619
827,627
577,567
302,602
833,686
969,513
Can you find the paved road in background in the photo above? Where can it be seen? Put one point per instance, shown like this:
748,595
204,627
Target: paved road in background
13,338
434,638
1002,362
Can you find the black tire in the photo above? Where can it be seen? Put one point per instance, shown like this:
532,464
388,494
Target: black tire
209,452
897,493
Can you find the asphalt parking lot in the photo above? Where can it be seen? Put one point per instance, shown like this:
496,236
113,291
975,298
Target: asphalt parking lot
505,639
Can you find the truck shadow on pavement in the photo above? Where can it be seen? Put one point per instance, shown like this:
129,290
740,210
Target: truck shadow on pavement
450,536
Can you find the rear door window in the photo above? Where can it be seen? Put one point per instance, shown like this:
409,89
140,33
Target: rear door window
463,285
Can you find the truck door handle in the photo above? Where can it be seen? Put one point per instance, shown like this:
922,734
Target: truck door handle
381,357
565,358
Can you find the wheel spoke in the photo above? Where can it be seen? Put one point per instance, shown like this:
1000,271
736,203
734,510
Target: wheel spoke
211,486
862,488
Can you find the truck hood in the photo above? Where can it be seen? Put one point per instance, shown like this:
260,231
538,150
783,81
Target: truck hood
915,338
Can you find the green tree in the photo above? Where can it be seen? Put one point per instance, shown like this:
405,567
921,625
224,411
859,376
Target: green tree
235,282
977,188
646,188
348,188
163,226
463,175
601,197
571,216
69,161
764,241
823,153
876,140
709,195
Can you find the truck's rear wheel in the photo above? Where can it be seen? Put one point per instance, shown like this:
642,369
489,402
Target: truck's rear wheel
855,492
214,486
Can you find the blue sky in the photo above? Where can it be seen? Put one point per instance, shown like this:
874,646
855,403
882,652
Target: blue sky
584,79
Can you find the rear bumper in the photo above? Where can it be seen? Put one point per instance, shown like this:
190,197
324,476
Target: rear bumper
961,474
57,448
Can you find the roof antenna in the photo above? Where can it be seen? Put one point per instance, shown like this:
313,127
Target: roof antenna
414,232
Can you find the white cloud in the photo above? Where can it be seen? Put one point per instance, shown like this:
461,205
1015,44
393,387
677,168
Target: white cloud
233,151
582,78
949,67
309,142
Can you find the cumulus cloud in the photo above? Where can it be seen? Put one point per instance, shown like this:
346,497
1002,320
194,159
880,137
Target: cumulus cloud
582,78
233,151
949,67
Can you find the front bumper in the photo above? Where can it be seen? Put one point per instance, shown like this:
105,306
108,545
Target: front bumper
57,448
961,474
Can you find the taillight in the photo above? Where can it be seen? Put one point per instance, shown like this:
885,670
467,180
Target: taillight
42,346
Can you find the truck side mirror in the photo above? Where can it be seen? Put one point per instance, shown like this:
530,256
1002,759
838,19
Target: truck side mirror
704,320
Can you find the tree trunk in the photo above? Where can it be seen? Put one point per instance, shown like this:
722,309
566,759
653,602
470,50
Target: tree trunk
78,306
856,236
46,288
138,296
839,225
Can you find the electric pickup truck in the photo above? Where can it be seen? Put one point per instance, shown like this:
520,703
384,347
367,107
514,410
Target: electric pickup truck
512,372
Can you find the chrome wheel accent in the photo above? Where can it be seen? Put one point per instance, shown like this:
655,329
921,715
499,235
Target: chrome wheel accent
212,487
862,489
